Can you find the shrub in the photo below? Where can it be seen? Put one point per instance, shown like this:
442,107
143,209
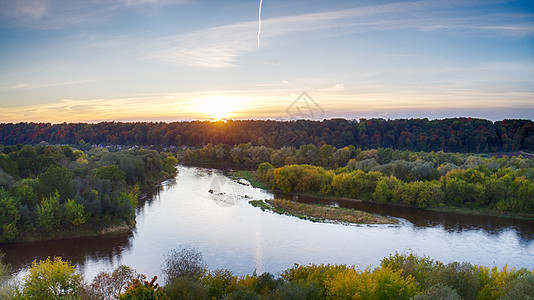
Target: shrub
420,268
185,261
521,288
107,286
463,277
55,279
186,288
143,290
218,282
297,291
439,292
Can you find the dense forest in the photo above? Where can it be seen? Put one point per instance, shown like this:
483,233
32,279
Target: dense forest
384,175
450,135
57,191
186,275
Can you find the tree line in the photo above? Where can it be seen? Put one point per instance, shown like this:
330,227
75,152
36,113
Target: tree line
186,275
384,175
450,135
55,191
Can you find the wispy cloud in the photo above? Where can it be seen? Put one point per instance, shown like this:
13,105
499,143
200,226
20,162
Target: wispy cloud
157,107
161,2
220,46
336,87
15,86
27,86
93,110
54,14
271,103
31,8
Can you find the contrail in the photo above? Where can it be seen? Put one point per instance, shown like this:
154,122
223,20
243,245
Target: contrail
259,24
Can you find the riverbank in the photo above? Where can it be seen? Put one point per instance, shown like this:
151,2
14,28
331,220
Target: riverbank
321,213
255,182
87,230
250,177
242,238
95,229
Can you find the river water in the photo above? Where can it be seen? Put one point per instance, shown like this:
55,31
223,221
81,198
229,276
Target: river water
205,209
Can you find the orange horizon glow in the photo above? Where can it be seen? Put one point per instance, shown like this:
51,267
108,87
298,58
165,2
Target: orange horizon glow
256,104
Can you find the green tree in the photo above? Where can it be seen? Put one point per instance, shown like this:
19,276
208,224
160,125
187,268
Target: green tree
521,288
302,178
143,290
73,213
185,261
7,290
419,267
8,165
25,192
113,173
382,193
108,286
218,282
133,167
6,180
170,164
186,288
55,179
326,151
297,291
439,292
381,283
52,279
463,277
9,216
49,215
266,172
341,157
357,184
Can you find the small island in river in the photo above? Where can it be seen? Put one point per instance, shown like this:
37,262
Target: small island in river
320,213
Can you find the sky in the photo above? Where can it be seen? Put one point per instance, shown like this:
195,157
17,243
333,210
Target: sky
177,60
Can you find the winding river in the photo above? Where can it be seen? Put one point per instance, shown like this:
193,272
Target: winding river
205,209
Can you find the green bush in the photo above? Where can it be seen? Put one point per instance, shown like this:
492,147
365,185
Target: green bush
186,288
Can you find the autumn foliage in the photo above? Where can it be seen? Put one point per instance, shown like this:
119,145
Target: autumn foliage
453,135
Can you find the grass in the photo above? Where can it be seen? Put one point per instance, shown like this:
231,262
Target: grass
84,230
320,213
248,175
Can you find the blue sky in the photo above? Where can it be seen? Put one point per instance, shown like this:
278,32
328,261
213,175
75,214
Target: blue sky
191,59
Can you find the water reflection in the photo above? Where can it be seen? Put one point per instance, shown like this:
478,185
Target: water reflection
450,222
205,209
152,194
107,249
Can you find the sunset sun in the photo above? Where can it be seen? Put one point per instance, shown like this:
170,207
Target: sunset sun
217,107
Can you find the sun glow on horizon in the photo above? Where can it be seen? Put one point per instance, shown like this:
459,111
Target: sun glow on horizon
217,107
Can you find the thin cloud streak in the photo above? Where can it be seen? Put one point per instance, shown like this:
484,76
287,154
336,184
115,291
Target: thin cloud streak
219,47
336,87
55,14
27,86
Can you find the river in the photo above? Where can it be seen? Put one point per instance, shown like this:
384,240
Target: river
203,208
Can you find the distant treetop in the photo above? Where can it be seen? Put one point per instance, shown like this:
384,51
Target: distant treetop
452,135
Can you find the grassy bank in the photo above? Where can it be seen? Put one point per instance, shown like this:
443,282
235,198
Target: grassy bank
249,175
319,213
85,230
